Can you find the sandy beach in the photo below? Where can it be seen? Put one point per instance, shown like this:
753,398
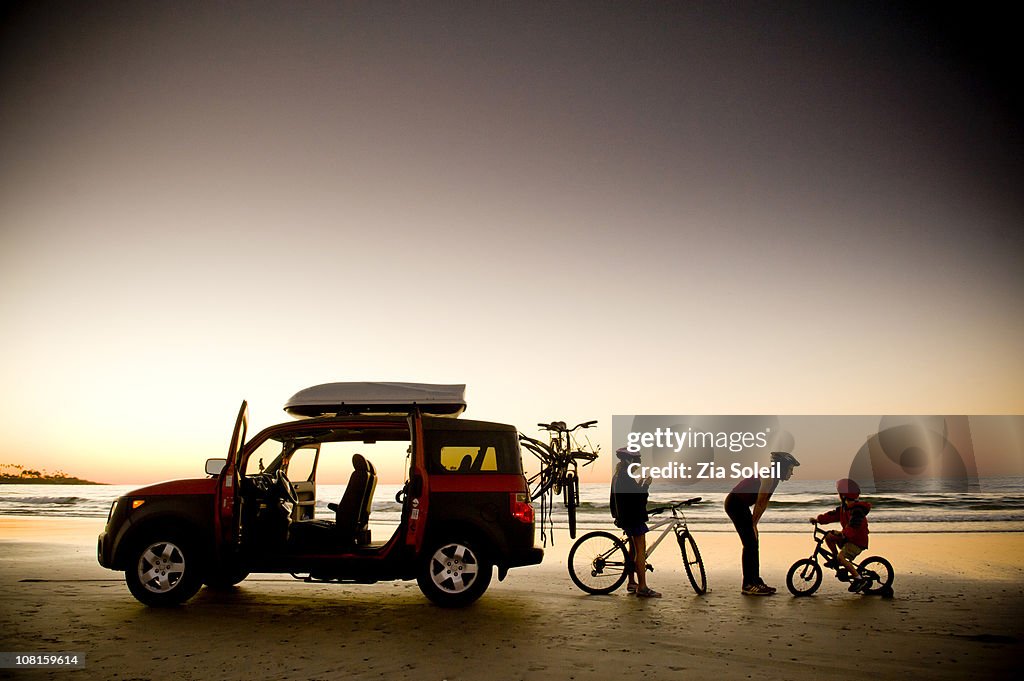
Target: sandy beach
956,613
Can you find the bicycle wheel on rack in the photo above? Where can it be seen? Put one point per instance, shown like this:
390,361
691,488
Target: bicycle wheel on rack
693,563
599,563
541,481
572,500
804,577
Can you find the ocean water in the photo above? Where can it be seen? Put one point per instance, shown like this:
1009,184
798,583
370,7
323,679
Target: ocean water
94,501
997,506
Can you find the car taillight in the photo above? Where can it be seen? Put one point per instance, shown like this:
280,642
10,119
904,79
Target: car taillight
521,507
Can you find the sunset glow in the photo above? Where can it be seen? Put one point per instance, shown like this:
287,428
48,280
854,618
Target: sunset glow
684,211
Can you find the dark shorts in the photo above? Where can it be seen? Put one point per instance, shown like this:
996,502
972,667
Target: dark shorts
636,530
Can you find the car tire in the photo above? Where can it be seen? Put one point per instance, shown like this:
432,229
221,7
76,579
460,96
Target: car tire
164,570
455,573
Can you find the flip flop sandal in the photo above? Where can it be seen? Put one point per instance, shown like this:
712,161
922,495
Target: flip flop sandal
631,588
647,593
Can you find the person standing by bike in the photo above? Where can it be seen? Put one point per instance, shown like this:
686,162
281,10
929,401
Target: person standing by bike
755,492
629,508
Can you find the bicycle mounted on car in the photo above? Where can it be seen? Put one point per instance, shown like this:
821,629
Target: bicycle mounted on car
559,460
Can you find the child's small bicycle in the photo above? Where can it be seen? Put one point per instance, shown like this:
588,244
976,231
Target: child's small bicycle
804,577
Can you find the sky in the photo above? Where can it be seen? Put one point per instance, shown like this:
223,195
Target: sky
577,209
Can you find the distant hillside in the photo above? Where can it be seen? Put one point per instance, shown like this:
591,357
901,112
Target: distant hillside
15,474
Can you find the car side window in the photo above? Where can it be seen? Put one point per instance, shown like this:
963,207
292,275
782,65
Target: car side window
465,459
301,464
472,452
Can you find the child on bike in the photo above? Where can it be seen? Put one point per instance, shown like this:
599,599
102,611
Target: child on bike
851,515
629,508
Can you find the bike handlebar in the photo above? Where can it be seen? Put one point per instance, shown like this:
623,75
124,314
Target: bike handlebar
819,530
561,427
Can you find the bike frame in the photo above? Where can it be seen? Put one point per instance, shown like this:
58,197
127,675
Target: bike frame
677,523
819,539
823,552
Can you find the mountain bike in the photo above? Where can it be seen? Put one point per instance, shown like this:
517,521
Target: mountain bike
599,562
804,576
559,468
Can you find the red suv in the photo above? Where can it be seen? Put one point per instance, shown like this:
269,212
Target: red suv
464,508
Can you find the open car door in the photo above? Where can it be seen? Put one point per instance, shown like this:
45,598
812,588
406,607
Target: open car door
227,515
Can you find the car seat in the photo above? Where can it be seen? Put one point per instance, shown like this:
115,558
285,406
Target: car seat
352,512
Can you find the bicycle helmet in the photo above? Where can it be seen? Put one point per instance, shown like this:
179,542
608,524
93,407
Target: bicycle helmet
625,455
785,458
848,488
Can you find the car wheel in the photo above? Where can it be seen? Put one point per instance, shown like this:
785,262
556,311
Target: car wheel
164,571
455,573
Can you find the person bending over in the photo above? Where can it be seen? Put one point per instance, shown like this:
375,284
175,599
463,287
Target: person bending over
755,492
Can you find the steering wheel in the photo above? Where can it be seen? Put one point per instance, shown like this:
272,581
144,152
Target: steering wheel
285,487
262,483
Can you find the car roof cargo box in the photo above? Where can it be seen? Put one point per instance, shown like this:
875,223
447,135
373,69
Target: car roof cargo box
331,399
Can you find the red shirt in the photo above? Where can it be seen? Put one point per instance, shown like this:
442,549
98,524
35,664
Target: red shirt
851,517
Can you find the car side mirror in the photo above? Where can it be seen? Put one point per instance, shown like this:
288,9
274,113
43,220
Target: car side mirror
215,466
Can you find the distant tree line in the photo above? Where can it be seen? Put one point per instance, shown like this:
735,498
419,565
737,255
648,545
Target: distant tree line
16,473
